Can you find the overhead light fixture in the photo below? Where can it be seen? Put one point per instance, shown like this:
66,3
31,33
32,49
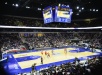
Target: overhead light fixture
5,2
97,10
77,7
13,4
93,9
90,9
79,10
16,5
59,4
39,8
27,7
82,8
77,14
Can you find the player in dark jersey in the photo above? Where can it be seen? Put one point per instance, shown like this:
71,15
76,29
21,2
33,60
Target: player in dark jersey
41,60
33,67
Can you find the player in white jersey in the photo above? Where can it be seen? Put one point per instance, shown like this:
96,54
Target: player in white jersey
78,50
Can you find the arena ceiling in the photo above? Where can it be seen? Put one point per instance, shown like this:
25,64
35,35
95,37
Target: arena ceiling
33,8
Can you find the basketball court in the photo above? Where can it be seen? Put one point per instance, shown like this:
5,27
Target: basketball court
58,55
22,62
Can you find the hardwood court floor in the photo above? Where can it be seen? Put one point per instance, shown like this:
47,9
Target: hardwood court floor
59,56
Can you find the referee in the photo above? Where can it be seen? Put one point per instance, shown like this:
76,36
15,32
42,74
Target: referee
41,60
33,68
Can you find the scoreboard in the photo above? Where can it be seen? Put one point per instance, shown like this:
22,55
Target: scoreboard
61,13
48,15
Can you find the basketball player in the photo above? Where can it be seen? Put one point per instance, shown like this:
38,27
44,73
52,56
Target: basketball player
41,52
41,60
45,53
78,50
92,46
52,52
33,68
65,51
48,54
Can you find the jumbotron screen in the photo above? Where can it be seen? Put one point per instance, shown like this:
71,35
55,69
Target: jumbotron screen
63,14
60,13
48,15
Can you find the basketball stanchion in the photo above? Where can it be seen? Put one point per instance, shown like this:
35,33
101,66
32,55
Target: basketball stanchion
3,56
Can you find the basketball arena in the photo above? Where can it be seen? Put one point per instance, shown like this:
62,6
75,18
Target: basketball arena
22,62
50,37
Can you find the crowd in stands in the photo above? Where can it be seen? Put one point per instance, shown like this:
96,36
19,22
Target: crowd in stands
19,21
10,41
89,67
38,22
63,39
48,40
38,42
